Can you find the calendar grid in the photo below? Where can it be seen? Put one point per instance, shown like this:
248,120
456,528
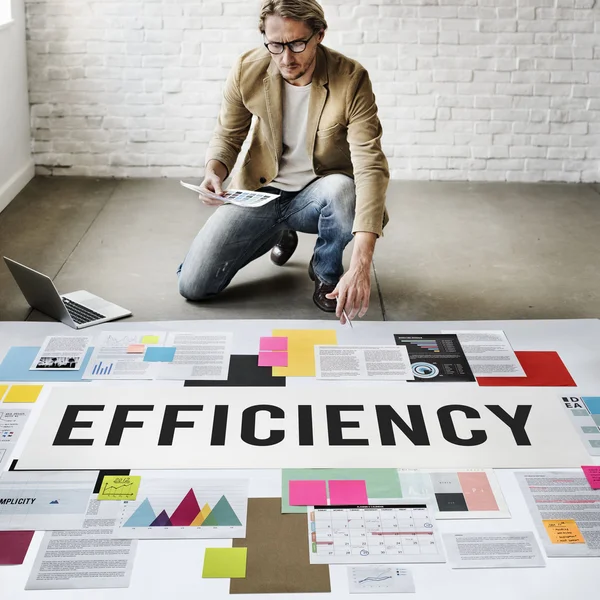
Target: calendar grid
372,533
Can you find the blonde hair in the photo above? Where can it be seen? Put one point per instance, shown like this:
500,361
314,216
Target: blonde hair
307,11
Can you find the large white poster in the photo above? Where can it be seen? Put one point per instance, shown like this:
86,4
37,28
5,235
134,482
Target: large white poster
347,426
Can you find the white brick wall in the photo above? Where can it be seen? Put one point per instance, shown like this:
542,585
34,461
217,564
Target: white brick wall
494,90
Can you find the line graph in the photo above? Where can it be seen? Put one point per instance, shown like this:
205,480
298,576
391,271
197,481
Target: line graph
378,579
126,490
381,577
122,341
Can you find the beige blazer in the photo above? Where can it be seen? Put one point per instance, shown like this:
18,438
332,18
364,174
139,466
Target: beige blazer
343,136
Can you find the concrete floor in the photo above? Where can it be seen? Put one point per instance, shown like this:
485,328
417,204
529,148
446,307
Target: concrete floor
452,251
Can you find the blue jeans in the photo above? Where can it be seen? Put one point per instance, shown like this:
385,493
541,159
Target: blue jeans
235,236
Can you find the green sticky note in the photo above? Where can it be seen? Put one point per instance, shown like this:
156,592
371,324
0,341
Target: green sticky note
119,487
225,562
150,339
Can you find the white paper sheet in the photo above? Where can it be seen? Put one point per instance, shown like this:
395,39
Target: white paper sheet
383,363
199,355
584,421
87,558
111,359
384,579
11,426
61,353
188,505
48,500
373,534
457,493
230,426
558,496
493,550
246,198
489,353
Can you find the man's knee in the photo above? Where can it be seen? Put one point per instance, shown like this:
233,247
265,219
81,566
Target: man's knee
342,187
195,288
342,200
190,291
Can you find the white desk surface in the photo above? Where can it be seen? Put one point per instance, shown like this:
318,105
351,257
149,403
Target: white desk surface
172,569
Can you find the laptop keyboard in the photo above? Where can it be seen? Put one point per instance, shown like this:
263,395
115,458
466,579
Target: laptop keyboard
80,314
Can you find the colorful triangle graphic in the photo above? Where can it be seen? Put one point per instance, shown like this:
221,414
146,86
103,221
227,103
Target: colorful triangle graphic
186,512
198,520
142,517
221,515
162,520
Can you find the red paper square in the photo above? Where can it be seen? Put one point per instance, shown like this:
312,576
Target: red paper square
542,369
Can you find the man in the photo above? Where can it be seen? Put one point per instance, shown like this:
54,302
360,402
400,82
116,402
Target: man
315,143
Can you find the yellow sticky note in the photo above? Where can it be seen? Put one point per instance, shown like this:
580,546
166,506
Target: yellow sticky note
119,487
150,339
23,393
225,562
301,350
563,531
3,389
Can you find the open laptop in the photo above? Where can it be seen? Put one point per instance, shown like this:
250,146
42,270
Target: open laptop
78,309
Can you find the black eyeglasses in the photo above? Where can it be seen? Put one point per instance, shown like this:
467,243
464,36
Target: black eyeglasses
296,46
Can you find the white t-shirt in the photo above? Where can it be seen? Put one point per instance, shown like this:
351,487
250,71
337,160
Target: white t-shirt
295,167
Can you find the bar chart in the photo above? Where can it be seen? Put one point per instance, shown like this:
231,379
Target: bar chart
101,369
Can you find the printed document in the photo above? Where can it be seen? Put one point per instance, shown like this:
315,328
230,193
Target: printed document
489,353
383,363
61,353
11,425
380,580
566,511
197,356
85,558
48,500
489,550
245,198
121,355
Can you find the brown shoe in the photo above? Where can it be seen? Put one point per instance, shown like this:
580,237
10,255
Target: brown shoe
321,289
284,248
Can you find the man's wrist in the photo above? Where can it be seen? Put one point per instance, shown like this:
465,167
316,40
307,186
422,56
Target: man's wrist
216,167
364,245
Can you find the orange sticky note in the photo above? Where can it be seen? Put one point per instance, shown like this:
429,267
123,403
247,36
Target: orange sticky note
563,531
136,349
23,393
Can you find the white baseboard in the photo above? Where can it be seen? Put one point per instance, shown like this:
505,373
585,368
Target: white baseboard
16,183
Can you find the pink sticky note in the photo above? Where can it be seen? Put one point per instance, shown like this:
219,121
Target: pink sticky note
347,492
136,349
14,546
593,476
477,491
272,359
308,493
277,344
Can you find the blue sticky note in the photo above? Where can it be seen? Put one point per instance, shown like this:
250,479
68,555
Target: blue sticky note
15,367
166,354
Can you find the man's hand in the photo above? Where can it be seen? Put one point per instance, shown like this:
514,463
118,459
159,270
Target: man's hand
352,293
353,290
214,176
